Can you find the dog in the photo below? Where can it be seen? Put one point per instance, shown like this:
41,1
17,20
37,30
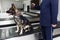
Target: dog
22,24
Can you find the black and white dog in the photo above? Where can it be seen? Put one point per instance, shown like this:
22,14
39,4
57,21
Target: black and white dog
22,24
21,21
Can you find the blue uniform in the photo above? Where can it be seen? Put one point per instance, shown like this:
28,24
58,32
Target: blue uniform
48,16
49,10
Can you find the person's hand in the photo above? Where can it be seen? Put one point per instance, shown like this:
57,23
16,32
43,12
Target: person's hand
54,25
33,5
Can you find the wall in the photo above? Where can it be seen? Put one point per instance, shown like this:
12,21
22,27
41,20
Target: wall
26,3
5,4
59,11
0,5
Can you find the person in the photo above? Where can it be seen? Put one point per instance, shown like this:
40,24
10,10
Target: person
48,17
35,6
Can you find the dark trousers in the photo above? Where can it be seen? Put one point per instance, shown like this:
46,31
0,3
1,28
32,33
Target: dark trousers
47,32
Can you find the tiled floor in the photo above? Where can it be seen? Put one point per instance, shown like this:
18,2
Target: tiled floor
56,31
29,38
57,38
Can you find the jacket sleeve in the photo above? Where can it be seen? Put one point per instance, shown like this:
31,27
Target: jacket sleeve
54,11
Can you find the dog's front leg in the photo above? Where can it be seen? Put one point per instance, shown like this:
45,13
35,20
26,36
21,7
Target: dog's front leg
21,31
17,28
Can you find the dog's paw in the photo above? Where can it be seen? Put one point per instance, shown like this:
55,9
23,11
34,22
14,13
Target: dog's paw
26,30
16,31
27,26
21,33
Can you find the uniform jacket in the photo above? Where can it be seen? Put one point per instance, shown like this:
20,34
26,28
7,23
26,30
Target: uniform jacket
48,12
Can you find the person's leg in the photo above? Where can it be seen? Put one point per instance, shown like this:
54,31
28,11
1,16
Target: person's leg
47,32
43,32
